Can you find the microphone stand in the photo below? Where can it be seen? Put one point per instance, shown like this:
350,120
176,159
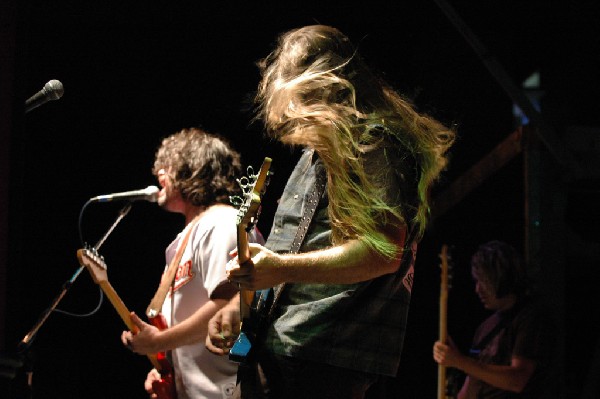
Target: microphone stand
24,346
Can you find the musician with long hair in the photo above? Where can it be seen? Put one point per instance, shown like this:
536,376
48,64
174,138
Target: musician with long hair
344,237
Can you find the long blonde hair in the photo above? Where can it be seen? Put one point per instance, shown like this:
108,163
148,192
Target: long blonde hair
316,91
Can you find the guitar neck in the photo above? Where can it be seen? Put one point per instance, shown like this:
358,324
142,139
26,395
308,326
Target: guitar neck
119,305
443,322
94,263
443,337
247,217
246,297
124,313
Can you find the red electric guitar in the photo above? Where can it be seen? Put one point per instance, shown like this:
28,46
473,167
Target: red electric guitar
94,263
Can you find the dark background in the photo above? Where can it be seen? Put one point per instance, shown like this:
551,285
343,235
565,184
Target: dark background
134,72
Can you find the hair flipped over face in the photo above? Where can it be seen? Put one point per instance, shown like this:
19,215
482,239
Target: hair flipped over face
202,166
316,91
307,71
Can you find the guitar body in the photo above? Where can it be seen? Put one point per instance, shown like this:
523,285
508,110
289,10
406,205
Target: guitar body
253,326
165,387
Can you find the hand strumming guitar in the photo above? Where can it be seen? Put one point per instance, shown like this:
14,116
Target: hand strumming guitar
224,328
152,376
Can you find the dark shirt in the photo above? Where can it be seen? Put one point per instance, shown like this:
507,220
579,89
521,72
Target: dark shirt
357,326
527,331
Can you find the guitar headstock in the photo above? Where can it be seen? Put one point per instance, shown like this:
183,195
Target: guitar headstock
94,262
253,187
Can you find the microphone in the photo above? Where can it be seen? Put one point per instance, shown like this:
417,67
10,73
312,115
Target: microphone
150,193
53,90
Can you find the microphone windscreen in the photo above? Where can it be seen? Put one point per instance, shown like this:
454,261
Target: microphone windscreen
54,89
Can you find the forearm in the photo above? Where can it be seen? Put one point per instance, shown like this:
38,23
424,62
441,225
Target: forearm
348,263
192,330
507,377
351,262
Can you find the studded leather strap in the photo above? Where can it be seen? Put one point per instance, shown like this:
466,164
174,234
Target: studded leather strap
309,211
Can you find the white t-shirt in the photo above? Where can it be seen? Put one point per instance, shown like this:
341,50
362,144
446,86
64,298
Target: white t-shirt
199,373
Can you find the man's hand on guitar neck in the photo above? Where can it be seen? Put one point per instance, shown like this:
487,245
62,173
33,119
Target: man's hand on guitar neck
224,328
347,263
447,354
145,340
262,270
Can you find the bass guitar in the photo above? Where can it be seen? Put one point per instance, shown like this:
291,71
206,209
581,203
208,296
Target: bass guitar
94,263
252,304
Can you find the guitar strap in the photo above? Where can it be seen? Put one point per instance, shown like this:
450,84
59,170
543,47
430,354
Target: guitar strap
309,211
167,282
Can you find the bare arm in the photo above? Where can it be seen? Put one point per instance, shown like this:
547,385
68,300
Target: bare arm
513,377
192,330
350,262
